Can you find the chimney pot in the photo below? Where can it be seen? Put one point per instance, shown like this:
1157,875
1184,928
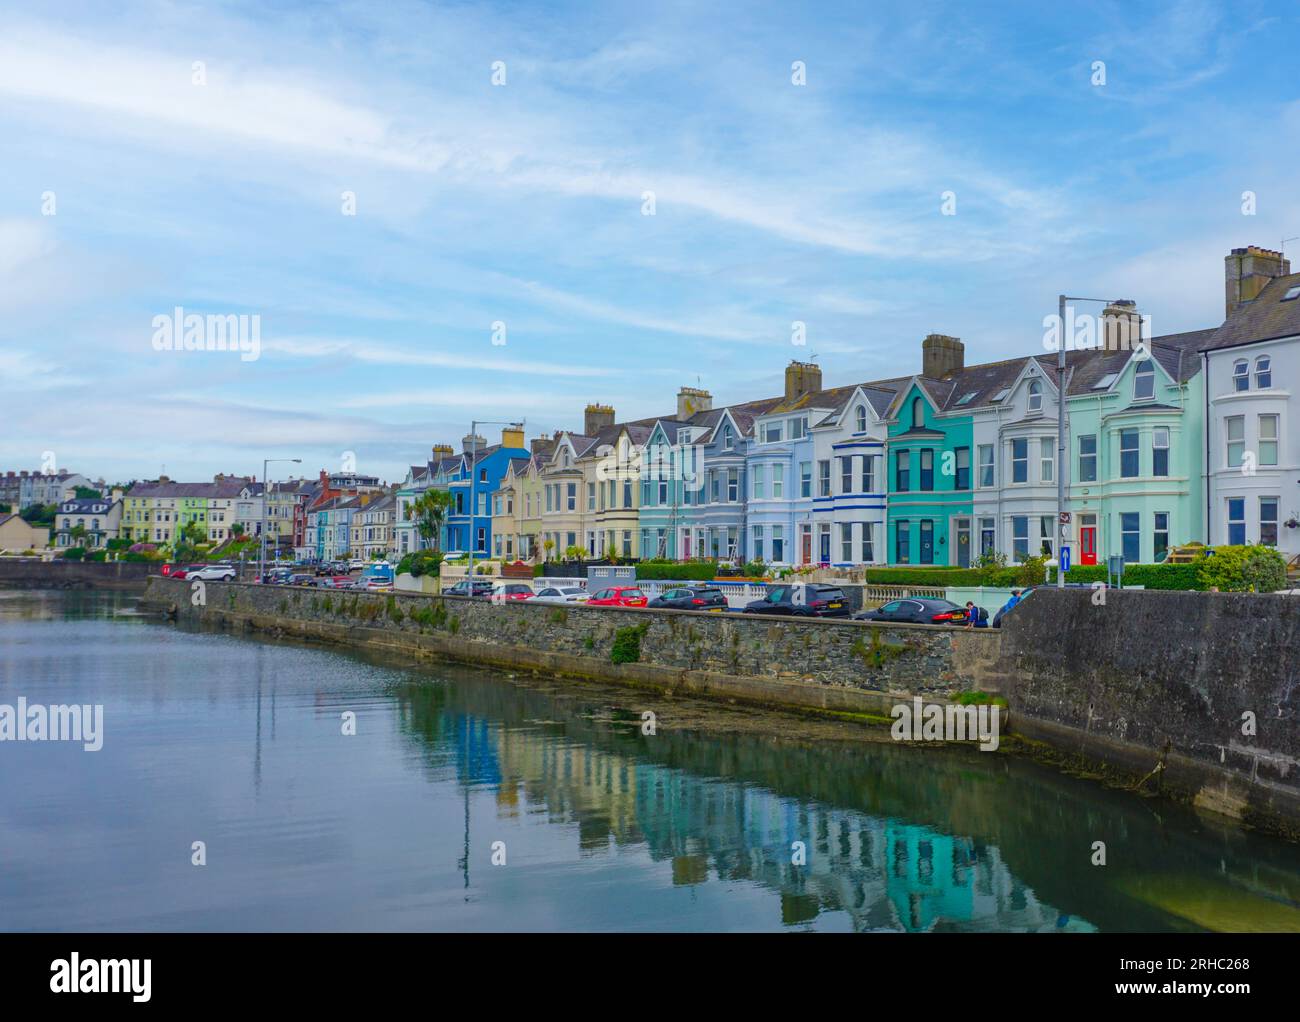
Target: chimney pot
691,400
596,417
802,378
1247,272
941,356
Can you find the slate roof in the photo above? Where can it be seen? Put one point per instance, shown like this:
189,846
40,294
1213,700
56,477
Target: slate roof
1264,319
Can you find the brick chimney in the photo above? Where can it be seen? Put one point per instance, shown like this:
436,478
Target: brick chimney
441,451
512,436
941,356
471,442
595,418
538,443
802,378
691,400
1121,327
1245,273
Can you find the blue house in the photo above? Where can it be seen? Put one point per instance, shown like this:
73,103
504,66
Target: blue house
471,485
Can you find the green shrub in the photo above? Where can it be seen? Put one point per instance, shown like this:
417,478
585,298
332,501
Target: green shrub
1243,569
395,613
627,644
422,562
74,553
673,571
1150,576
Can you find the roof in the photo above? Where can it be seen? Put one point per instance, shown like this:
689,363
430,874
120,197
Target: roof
1263,319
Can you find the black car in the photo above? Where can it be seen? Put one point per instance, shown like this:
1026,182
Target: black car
917,610
275,576
470,587
813,600
691,598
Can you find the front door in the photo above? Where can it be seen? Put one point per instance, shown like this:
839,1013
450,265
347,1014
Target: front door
963,542
927,542
805,544
1088,544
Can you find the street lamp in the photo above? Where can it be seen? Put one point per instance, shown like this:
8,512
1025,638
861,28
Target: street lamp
1061,463
266,496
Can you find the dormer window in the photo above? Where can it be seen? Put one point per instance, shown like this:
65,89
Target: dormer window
918,414
1144,381
1241,375
1035,396
728,439
1263,372
862,419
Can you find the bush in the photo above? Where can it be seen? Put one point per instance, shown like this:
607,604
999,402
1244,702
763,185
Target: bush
422,562
74,553
924,576
674,571
1150,576
1243,569
96,555
627,644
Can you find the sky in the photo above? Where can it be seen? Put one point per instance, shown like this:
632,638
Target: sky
505,211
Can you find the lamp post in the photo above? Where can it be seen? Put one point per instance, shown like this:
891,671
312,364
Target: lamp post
1061,464
266,496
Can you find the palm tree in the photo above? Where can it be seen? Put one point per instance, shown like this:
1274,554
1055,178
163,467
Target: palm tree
429,511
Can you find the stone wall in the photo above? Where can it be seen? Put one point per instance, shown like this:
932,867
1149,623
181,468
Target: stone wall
31,573
1151,671
840,665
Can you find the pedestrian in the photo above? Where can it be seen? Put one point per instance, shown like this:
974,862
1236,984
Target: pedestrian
972,614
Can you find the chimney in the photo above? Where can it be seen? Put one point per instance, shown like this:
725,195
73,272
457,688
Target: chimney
941,356
1121,327
513,436
1246,271
472,442
595,418
691,400
441,451
537,443
802,378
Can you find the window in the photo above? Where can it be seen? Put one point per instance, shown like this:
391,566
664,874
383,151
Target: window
1268,521
824,478
1160,451
1292,294
903,541
1020,461
1130,530
986,464
1128,453
1088,458
1046,459
716,483
728,438
663,492
1001,395
988,536
778,481
772,432
778,543
861,419
758,542
1035,396
1045,535
1160,535
805,478
868,551
797,428
918,413
846,542
1235,426
1268,439
903,472
1144,381
927,469
846,474
963,468
627,542
1237,521
1020,537
571,492
758,482
591,496
927,541
1263,372
733,485
868,473
627,492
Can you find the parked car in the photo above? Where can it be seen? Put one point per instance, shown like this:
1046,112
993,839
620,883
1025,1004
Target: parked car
918,610
212,573
811,600
474,587
561,594
707,598
455,555
276,576
300,580
357,564
185,572
334,582
511,591
618,596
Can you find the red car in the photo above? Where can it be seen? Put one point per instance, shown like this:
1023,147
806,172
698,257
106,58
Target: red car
511,591
182,572
619,596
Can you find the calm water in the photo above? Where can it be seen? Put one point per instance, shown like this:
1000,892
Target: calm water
238,743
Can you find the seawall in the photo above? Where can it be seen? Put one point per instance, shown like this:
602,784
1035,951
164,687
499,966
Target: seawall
30,573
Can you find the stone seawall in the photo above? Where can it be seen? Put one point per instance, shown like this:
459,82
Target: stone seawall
30,573
1202,688
844,666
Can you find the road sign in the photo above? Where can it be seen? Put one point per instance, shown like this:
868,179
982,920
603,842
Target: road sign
1065,558
1064,517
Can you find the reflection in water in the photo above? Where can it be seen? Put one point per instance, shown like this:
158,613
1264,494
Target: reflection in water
712,823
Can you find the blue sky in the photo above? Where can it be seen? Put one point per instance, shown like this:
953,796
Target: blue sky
522,204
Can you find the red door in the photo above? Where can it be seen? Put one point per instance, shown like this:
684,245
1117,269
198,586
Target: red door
1088,544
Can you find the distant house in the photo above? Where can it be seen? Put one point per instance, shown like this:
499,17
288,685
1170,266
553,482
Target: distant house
88,522
16,535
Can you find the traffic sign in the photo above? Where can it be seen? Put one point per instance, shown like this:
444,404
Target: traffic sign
1065,558
1064,517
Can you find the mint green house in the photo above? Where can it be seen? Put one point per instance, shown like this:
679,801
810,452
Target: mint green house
929,459
1136,437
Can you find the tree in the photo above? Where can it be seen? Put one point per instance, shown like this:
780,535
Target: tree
189,536
429,512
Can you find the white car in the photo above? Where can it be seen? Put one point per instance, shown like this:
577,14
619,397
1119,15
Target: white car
212,573
560,594
359,565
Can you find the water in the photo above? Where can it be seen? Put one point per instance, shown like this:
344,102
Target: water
238,743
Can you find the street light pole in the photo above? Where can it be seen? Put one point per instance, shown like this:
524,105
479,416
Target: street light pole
266,496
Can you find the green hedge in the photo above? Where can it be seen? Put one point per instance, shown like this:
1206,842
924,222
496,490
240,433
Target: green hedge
912,576
1152,576
673,571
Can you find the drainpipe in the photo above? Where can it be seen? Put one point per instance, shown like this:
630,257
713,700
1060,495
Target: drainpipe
1205,386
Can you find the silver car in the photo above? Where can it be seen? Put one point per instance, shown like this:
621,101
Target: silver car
212,573
560,594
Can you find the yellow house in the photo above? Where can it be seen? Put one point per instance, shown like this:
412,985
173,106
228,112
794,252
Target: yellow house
16,535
